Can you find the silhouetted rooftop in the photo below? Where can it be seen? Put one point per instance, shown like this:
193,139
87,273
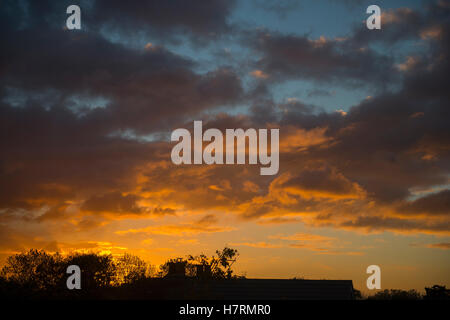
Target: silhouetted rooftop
282,289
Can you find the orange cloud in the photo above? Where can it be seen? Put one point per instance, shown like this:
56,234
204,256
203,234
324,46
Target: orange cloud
434,32
409,64
396,16
256,244
203,225
259,74
298,139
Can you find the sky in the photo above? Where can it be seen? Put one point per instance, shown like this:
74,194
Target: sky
86,117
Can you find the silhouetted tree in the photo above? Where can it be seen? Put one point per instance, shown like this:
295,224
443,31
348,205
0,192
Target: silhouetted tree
164,268
130,268
34,269
220,264
357,294
437,292
97,270
396,294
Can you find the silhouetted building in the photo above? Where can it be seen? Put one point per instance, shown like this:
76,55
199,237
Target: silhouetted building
182,287
256,289
203,271
282,289
177,269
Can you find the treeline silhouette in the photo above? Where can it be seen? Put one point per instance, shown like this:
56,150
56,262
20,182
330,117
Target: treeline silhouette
435,292
37,274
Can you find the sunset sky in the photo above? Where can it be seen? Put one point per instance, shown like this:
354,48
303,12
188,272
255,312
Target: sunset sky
86,117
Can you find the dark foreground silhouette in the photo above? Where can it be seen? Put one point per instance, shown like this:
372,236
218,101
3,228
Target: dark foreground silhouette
41,275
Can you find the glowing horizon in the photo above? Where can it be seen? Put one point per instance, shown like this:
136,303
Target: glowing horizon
364,135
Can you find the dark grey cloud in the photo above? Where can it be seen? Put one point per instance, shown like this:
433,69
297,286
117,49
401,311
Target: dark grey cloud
321,179
54,154
320,93
200,19
142,86
397,25
113,202
376,223
352,59
434,204
280,8
393,141
403,24
299,57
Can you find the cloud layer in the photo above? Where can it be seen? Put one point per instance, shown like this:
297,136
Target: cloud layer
85,121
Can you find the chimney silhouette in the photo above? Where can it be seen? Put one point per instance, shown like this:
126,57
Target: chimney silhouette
177,268
203,271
